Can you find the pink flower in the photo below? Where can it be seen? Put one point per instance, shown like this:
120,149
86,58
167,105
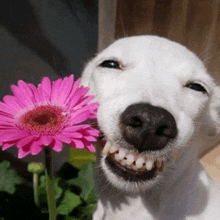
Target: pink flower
49,115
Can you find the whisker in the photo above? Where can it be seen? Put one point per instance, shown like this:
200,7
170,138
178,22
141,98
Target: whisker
210,57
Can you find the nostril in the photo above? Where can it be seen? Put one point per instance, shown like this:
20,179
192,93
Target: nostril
162,130
135,121
169,130
129,118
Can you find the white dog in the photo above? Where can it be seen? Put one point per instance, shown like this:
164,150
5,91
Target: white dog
159,110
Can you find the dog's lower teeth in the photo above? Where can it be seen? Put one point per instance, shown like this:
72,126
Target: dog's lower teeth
123,162
139,162
135,168
117,157
149,164
130,159
121,154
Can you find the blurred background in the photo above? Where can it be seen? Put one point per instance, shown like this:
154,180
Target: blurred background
57,37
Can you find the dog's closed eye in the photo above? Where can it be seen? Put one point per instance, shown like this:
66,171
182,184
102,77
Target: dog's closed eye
110,64
196,87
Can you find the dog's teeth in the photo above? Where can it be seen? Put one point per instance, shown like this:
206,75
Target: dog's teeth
134,167
139,162
161,168
158,163
149,164
123,162
106,148
121,154
113,149
117,157
130,159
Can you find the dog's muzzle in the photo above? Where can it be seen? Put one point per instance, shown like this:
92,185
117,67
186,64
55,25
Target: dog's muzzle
146,128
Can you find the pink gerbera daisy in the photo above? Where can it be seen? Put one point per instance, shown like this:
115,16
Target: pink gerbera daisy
49,115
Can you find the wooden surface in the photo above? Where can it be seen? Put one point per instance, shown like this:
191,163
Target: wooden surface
195,24
211,163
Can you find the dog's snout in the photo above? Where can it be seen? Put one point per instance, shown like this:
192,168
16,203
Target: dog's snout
147,127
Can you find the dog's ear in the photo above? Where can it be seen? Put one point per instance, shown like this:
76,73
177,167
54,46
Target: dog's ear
86,74
210,135
87,77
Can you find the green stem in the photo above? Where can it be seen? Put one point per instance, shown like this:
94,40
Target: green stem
50,186
36,189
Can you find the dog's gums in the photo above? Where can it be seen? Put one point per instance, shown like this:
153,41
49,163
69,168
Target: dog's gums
132,165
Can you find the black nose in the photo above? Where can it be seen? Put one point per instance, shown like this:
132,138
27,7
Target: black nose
147,127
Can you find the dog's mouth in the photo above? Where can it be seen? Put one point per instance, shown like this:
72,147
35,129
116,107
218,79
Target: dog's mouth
130,165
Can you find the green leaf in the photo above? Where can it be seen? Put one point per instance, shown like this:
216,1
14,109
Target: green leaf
85,212
85,180
92,197
69,202
8,178
88,211
79,157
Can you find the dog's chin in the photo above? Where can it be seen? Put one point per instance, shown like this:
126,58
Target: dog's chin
129,170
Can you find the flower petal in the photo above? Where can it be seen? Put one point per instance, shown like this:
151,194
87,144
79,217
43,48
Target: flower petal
25,141
90,138
77,96
76,128
73,134
13,135
90,148
46,140
78,144
80,117
36,148
85,101
6,109
75,87
55,91
92,132
12,102
6,118
24,93
57,145
65,89
35,92
24,151
7,145
63,138
23,97
46,87
24,87
7,124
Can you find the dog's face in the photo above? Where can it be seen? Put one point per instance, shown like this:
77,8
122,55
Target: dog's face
155,97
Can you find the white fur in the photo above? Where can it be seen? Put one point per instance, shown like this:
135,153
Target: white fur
156,71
